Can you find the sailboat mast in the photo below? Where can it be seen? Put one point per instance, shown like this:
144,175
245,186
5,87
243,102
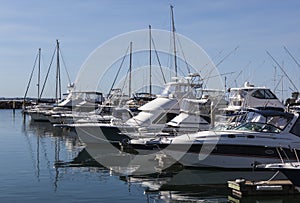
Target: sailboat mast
39,76
58,81
130,69
150,63
174,40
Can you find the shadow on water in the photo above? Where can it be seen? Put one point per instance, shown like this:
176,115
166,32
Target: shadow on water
173,184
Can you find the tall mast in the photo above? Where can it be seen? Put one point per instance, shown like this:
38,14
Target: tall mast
150,63
39,75
58,81
174,40
275,74
130,69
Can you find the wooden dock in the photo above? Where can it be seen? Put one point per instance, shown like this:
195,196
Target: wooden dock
241,187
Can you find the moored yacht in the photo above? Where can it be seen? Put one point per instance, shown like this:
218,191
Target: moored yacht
37,112
152,116
242,98
254,141
250,96
197,114
74,102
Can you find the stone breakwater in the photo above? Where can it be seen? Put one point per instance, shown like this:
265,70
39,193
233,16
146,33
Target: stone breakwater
11,104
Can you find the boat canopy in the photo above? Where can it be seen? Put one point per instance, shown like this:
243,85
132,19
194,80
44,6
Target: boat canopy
277,119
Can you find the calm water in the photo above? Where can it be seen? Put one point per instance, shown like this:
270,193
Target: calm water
44,164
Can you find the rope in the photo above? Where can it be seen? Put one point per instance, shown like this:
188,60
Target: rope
118,71
273,176
31,76
158,61
65,66
48,72
186,63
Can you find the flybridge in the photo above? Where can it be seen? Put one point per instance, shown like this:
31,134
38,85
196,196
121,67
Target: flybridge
251,96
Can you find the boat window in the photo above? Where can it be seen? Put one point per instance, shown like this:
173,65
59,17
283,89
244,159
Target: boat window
263,94
164,118
255,117
122,114
258,127
237,94
278,121
296,128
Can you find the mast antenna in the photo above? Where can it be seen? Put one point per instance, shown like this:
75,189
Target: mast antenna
130,69
174,39
39,76
283,71
58,81
150,63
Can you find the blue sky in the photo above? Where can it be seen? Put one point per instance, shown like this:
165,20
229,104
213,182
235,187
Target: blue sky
217,26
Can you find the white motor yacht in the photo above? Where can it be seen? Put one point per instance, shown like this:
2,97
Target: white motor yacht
74,102
250,96
197,114
254,141
152,116
37,112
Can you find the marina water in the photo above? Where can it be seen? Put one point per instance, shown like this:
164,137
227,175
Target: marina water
41,163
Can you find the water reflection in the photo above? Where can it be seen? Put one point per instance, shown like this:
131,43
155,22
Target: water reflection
59,155
265,199
177,183
48,146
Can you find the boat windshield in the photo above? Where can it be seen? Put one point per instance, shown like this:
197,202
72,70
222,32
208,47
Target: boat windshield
278,121
264,94
258,127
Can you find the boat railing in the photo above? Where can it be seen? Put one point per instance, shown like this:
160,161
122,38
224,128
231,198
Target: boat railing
278,149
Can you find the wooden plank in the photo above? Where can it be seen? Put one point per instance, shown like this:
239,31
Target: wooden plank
242,187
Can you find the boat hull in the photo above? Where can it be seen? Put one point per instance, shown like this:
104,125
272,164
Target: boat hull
38,116
292,175
217,156
95,134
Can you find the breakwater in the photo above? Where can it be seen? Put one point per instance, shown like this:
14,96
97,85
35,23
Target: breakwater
18,103
11,104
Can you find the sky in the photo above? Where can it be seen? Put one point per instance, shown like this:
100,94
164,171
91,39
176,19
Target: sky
217,26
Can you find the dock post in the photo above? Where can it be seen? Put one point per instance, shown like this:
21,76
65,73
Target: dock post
14,108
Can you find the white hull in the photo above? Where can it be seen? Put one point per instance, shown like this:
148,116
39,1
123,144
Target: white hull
38,116
95,133
223,161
